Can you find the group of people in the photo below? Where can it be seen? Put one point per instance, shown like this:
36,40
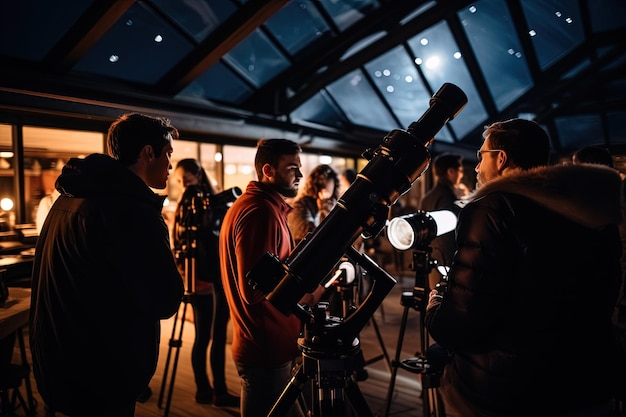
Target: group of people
524,320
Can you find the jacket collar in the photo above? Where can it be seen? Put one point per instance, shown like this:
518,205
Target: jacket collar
588,194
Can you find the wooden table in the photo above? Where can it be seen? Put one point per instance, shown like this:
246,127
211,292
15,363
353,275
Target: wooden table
14,317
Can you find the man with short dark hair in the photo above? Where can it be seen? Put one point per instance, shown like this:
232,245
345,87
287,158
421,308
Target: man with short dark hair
526,314
448,169
264,339
104,274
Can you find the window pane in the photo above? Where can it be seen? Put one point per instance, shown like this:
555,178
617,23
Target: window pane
555,28
45,153
440,60
238,166
491,33
358,99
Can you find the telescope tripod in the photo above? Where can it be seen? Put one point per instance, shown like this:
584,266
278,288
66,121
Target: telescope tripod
432,404
176,341
330,366
189,251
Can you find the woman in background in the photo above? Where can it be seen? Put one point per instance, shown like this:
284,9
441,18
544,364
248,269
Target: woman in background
197,220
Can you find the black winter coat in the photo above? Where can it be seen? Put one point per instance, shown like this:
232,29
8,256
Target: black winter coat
527,312
103,278
441,197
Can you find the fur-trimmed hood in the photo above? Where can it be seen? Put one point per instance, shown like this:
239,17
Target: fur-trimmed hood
588,194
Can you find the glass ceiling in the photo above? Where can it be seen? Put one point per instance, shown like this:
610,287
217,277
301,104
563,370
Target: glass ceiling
349,70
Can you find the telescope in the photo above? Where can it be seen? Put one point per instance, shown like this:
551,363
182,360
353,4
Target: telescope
363,209
195,203
196,199
420,228
225,198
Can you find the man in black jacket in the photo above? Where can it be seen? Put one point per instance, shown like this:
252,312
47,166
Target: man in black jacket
527,310
448,169
104,274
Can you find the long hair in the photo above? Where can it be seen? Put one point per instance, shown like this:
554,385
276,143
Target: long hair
193,166
318,179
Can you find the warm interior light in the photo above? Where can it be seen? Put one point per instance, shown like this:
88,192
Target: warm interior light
419,229
6,204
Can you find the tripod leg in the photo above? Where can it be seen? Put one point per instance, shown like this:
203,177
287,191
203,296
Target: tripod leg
357,400
331,403
384,355
394,363
176,344
290,393
437,403
167,360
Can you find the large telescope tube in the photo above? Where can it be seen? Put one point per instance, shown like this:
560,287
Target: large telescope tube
392,169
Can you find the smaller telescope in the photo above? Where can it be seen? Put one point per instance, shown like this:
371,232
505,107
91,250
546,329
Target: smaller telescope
419,229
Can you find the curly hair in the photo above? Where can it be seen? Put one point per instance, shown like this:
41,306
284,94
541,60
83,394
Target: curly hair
317,180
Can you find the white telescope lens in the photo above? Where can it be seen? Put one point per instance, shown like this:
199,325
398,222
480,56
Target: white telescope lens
400,234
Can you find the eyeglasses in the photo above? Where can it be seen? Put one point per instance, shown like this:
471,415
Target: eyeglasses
479,153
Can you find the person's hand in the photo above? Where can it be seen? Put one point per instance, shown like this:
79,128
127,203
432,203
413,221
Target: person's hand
434,299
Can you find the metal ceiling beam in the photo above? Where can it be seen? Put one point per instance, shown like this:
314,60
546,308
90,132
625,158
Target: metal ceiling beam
572,95
235,29
88,29
473,66
312,85
521,27
549,97
319,55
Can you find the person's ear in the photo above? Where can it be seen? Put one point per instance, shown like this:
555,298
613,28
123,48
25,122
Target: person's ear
502,160
268,171
147,152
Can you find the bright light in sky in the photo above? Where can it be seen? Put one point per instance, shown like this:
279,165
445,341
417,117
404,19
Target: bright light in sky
433,62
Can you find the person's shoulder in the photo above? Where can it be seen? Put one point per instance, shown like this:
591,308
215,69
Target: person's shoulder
304,202
254,203
489,206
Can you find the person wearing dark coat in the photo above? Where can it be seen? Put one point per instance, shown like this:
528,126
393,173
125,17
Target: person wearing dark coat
448,169
196,247
526,313
104,274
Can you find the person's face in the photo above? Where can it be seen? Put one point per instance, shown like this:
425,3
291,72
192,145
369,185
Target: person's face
159,167
326,192
487,168
186,178
455,175
286,176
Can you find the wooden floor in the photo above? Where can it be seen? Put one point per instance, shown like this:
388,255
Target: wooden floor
406,400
